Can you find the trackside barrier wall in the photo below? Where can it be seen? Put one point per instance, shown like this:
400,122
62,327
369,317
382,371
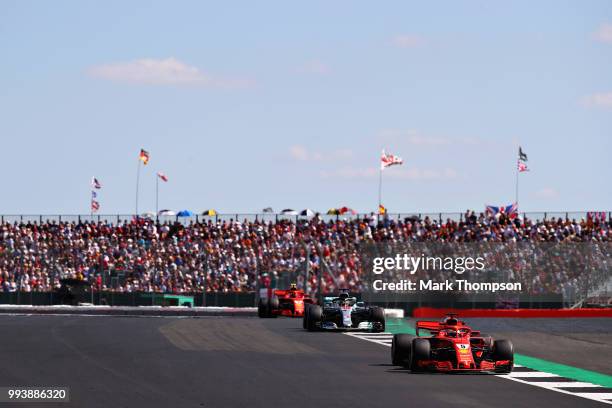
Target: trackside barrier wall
436,313
235,299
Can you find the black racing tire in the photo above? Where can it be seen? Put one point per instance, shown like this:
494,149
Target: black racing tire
401,345
305,318
262,308
503,350
377,315
421,350
315,315
273,305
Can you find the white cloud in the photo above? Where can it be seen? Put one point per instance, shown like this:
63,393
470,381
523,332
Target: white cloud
301,153
547,193
314,67
408,41
415,174
598,100
169,71
604,33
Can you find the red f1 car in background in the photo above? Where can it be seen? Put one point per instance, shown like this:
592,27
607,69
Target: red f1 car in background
275,302
452,346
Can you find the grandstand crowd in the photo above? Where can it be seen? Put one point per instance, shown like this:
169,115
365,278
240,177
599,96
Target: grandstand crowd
231,255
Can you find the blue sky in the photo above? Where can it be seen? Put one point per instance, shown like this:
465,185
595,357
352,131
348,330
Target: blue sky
246,105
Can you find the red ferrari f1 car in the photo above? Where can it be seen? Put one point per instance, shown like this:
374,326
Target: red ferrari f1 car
451,346
275,302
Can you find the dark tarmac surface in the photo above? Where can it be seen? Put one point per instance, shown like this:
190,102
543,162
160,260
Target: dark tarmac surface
231,362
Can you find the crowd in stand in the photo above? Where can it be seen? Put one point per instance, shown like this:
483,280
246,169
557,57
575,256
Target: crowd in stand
232,256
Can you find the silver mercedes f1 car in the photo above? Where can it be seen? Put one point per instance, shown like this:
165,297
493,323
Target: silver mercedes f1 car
344,313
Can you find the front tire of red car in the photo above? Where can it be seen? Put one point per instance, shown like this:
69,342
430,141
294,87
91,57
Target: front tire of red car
503,350
400,350
421,350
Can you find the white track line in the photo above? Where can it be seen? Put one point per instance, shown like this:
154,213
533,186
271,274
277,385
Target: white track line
385,339
599,396
574,384
530,374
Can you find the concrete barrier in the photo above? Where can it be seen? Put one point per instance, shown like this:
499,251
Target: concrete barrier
128,310
394,313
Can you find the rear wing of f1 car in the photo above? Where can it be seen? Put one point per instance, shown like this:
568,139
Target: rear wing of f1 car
434,327
328,300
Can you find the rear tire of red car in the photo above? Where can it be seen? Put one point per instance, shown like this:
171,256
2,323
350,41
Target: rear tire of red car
262,308
503,350
273,306
315,314
377,317
400,350
421,350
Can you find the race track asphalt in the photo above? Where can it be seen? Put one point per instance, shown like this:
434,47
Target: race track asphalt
231,362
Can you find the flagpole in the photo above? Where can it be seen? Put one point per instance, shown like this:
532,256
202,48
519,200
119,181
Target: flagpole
516,191
156,194
137,185
379,188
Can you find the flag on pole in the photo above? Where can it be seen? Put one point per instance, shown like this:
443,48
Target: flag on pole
510,210
144,156
382,210
95,206
94,195
388,160
162,176
522,167
95,183
522,155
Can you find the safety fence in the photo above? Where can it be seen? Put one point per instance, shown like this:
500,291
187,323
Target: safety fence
269,217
